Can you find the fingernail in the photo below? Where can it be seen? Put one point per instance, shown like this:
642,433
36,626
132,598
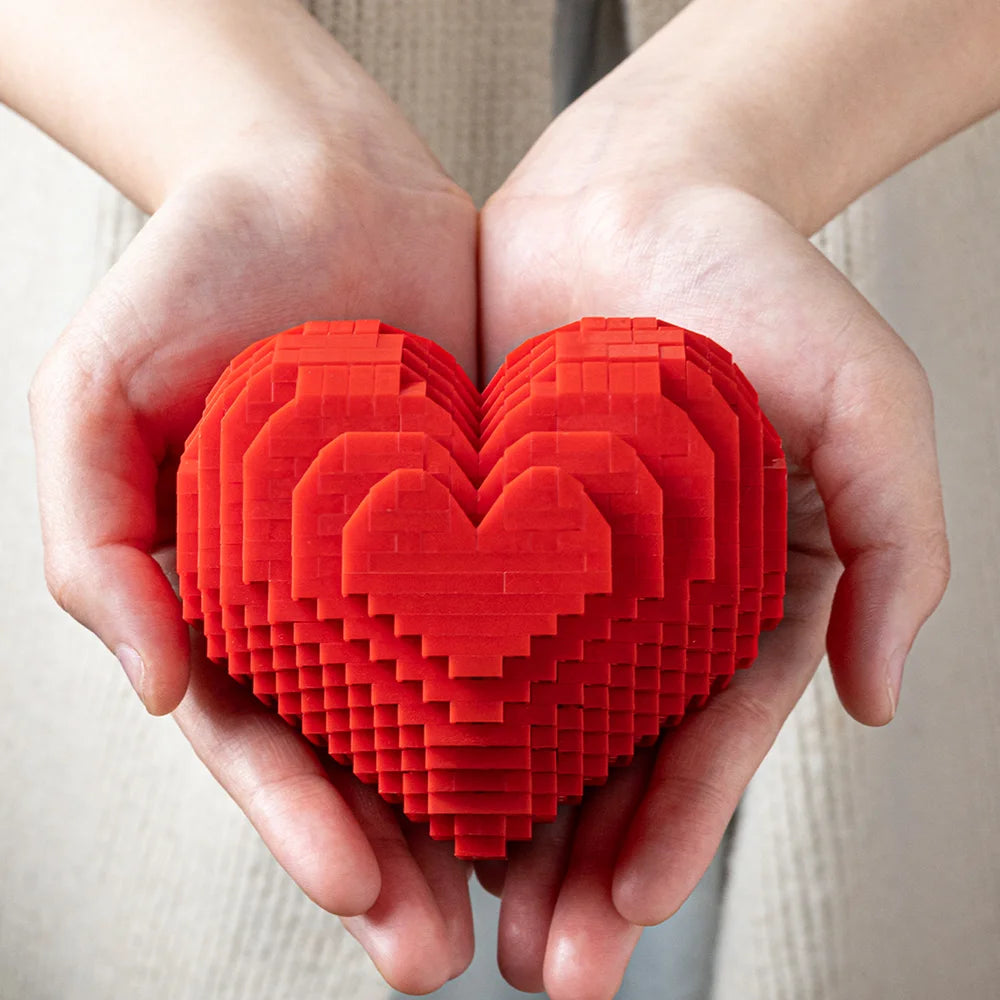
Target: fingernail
894,677
135,669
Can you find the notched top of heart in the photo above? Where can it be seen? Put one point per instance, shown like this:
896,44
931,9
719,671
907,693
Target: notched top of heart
481,601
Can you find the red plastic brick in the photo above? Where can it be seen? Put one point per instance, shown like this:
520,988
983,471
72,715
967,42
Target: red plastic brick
481,601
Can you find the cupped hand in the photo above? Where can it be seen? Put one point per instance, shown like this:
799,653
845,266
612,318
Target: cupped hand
604,218
366,224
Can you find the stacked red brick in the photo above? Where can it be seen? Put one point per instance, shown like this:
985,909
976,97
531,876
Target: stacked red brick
480,602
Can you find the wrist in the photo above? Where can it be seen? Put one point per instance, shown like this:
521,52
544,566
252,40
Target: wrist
299,111
630,150
803,107
162,93
808,106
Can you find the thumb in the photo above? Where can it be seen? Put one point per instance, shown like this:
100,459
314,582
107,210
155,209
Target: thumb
876,469
97,479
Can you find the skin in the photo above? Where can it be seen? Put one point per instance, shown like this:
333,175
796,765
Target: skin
684,186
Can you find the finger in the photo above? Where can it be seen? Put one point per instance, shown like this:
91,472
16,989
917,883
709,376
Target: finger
97,481
876,468
447,878
491,876
419,931
704,765
275,777
590,942
533,875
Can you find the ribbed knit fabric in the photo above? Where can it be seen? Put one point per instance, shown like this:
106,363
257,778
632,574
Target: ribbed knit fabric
645,17
474,78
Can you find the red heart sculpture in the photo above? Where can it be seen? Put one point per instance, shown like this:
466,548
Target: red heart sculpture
481,602
476,595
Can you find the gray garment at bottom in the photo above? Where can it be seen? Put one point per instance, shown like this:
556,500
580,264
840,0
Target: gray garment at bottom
672,961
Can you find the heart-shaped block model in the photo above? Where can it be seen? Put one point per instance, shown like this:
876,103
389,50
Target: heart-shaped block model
481,601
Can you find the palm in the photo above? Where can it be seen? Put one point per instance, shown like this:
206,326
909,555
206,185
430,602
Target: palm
720,262
221,265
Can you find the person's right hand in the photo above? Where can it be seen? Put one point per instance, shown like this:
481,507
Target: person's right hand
292,226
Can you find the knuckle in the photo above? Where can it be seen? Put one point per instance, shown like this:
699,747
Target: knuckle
758,715
915,378
936,556
63,583
904,370
879,372
42,383
282,792
700,795
751,720
60,376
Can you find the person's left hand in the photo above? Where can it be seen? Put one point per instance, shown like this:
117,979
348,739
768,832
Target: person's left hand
602,218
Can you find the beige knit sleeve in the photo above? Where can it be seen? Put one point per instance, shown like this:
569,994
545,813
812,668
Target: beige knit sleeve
473,78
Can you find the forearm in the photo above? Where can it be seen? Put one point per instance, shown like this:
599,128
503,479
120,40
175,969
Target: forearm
148,93
806,104
835,95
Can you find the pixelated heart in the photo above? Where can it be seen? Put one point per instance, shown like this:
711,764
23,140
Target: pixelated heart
481,602
476,594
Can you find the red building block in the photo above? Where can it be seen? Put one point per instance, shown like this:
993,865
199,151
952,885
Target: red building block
481,601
